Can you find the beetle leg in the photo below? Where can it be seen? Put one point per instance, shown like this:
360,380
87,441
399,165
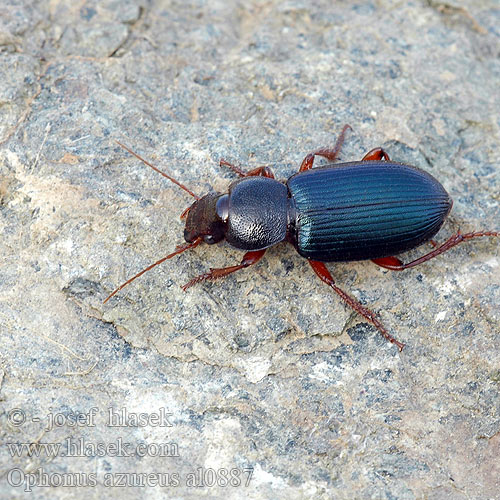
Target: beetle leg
376,154
389,263
394,264
325,276
328,153
264,171
248,259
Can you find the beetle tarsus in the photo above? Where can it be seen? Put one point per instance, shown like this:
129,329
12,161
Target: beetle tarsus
249,259
325,276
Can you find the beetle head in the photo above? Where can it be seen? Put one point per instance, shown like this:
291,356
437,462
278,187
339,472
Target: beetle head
207,218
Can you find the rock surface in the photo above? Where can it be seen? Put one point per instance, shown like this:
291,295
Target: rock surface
262,385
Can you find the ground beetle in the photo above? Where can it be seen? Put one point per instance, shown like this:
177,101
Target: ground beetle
365,210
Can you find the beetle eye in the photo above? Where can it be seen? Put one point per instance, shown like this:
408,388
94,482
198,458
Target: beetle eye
208,238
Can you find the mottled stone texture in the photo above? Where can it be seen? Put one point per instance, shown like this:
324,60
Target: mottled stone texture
266,369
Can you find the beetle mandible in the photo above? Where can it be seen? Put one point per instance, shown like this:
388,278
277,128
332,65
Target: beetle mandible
371,209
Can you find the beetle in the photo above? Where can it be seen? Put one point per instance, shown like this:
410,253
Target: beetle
371,209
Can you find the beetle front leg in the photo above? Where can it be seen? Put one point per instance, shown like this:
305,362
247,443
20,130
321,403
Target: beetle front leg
328,153
325,276
394,264
249,259
263,171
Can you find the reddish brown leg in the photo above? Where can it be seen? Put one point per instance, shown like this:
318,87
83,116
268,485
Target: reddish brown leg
394,264
376,154
264,171
325,276
248,259
328,153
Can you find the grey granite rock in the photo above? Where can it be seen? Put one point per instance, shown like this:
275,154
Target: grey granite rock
266,371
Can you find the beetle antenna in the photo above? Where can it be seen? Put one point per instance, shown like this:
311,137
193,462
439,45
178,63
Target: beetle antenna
196,197
179,249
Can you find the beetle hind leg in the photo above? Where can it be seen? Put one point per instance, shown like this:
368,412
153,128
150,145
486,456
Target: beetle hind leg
249,259
325,276
394,264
